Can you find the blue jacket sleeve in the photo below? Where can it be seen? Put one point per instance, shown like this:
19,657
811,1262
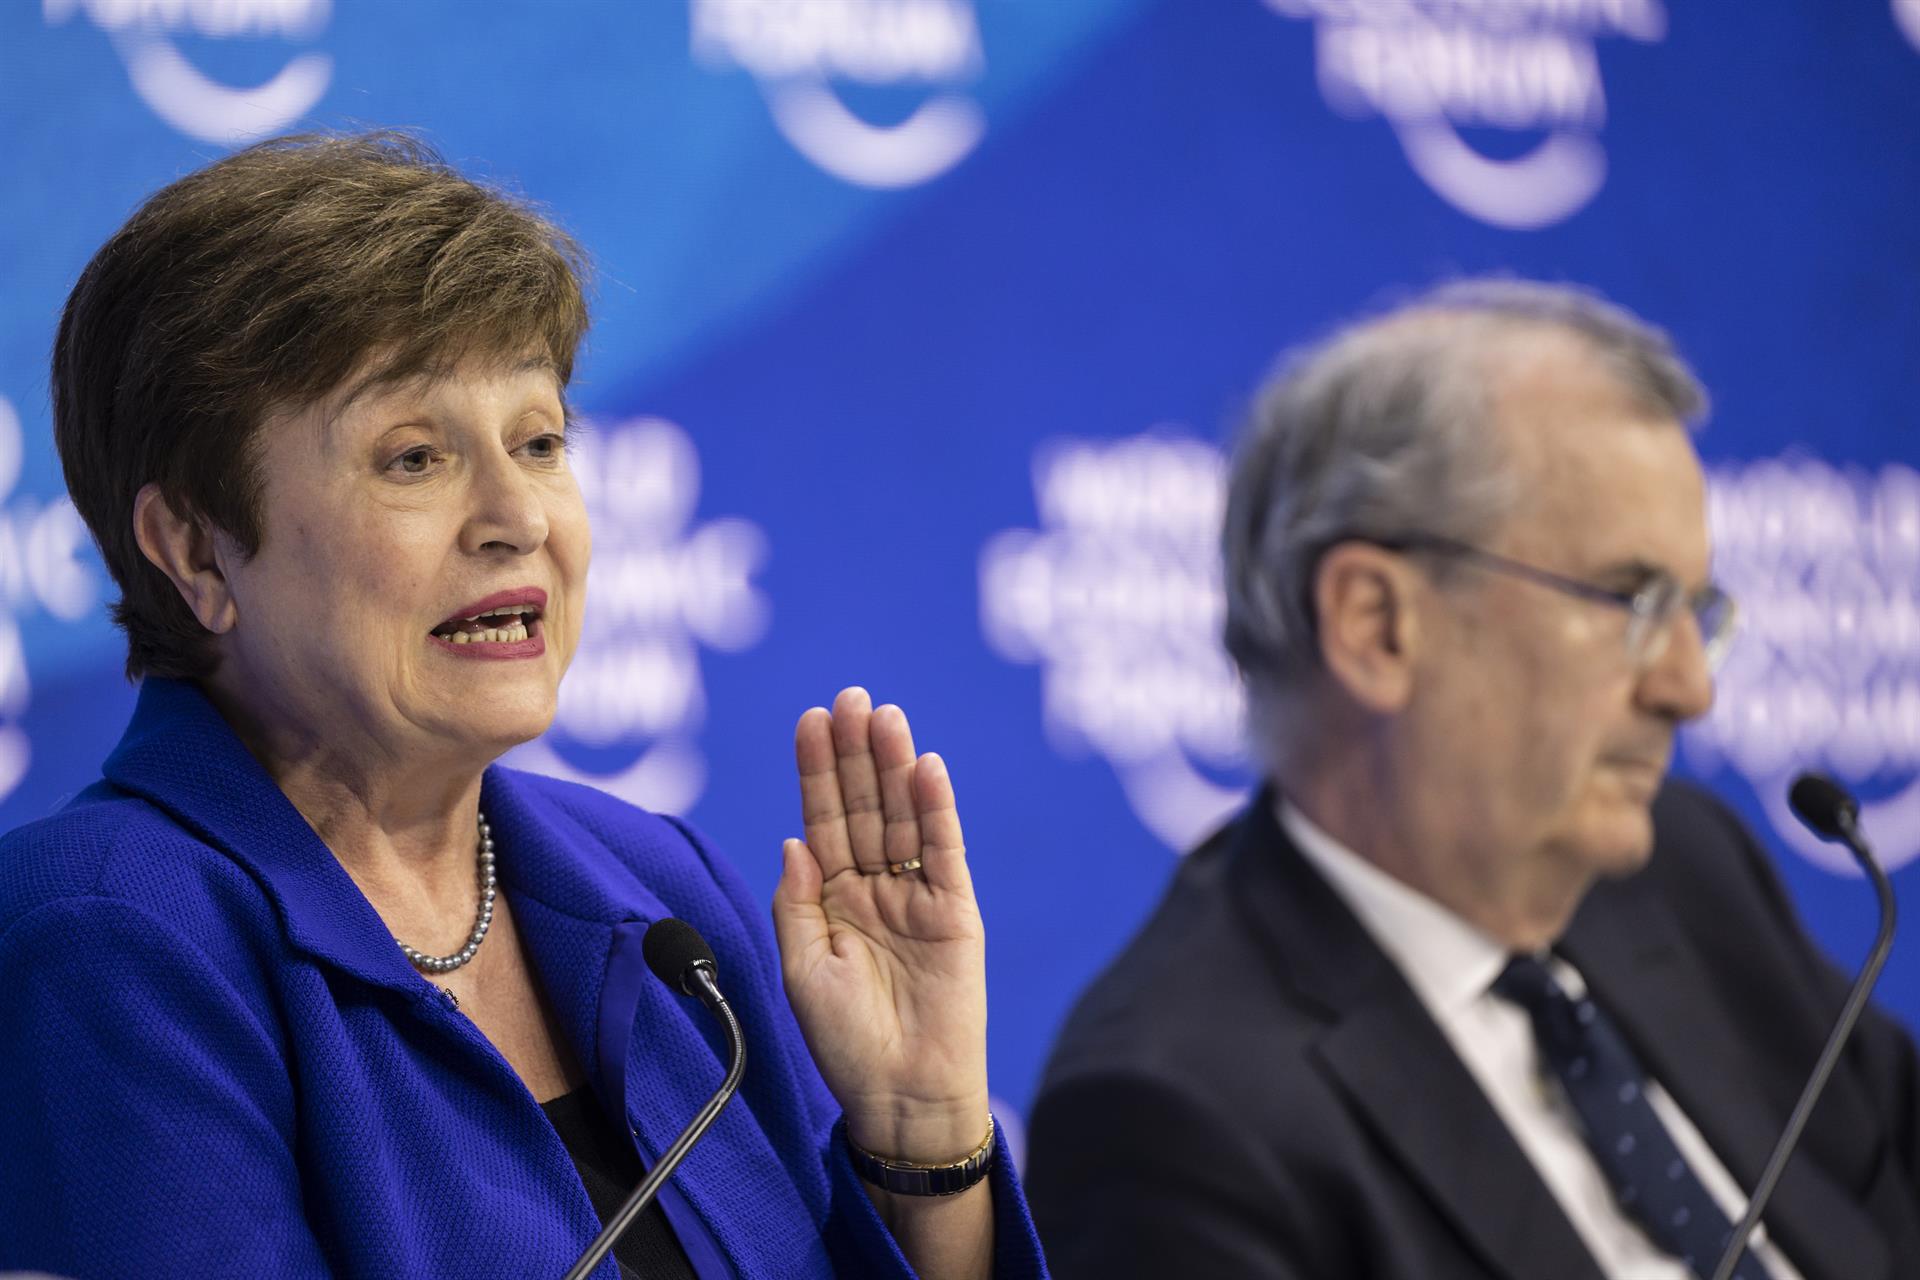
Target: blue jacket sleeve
146,1116
856,1237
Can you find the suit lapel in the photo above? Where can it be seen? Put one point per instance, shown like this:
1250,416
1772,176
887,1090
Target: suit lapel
179,755
1632,951
584,930
1392,1062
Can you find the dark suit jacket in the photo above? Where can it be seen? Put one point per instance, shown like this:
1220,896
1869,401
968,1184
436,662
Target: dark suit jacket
1252,1089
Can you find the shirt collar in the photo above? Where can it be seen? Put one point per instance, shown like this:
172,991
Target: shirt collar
1448,963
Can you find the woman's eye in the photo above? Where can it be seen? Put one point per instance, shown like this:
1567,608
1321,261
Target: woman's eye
414,461
547,446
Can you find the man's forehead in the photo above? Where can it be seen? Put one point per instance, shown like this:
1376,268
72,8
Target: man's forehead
1548,371
1606,482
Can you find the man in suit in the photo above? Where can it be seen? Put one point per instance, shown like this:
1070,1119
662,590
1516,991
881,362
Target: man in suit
1467,990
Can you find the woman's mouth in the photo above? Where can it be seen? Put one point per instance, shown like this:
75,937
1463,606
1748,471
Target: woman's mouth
508,624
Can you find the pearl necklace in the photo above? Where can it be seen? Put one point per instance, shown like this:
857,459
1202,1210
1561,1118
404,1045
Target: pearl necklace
447,964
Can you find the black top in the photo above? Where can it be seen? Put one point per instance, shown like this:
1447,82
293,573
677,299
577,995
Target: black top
610,1170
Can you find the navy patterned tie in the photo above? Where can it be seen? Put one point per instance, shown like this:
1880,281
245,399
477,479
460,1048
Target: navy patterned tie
1651,1180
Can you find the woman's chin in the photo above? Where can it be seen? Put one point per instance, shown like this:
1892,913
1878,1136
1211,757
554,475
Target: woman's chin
498,721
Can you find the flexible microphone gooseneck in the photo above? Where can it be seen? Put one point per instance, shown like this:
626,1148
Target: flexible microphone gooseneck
681,958
1831,814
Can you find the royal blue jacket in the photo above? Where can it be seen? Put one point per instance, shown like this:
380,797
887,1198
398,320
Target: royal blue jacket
214,1060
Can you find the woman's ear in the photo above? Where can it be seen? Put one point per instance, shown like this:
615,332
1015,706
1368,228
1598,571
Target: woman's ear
183,547
1363,598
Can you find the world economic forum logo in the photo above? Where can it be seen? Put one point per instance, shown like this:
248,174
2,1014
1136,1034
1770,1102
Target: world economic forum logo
1117,598
799,51
1825,562
660,587
144,34
1527,69
43,568
1907,14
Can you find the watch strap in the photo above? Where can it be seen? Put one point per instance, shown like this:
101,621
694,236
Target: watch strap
907,1178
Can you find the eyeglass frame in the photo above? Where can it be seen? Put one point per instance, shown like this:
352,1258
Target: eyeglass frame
1649,613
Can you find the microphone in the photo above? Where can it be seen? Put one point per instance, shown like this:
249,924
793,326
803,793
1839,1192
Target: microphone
1832,814
1825,807
681,958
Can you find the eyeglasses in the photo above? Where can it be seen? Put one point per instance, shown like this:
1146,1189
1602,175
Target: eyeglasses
1652,608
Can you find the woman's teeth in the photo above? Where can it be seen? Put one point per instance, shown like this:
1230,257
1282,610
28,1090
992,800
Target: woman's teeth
474,631
495,635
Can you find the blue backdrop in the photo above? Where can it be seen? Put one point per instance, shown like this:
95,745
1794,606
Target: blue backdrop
922,324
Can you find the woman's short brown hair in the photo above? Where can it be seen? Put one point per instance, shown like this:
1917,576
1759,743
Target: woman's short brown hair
257,285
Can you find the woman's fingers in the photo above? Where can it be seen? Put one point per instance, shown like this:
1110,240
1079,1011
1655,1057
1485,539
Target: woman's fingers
822,810
943,849
893,754
799,921
859,778
867,800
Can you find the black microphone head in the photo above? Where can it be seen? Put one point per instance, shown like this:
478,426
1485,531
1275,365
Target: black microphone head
672,947
1823,805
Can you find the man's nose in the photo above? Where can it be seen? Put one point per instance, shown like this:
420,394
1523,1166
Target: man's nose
1678,683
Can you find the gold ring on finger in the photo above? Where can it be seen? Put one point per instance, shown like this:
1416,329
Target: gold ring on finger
901,868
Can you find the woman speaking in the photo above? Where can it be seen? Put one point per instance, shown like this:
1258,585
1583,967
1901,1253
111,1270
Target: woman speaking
307,985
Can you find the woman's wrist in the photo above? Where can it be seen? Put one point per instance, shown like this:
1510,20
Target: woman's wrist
920,1178
921,1133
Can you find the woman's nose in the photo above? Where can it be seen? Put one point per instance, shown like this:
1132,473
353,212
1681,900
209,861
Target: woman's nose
507,512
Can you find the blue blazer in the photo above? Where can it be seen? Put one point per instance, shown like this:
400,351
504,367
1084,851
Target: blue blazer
214,1060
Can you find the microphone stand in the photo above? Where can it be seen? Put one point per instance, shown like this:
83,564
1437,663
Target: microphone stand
700,976
1849,834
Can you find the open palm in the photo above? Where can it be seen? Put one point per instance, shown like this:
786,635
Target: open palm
885,971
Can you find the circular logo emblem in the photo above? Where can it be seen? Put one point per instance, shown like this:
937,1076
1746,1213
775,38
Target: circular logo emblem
1907,14
799,53
187,98
1825,674
661,586
1435,68
42,565
1117,598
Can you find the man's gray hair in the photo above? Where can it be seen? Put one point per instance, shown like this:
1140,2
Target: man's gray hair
1381,431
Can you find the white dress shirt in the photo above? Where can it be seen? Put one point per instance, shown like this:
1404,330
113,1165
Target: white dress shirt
1451,967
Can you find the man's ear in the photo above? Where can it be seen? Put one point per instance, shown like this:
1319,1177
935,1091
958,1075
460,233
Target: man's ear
1363,598
184,548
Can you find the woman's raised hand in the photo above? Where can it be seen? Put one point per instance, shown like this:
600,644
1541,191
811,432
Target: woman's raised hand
885,969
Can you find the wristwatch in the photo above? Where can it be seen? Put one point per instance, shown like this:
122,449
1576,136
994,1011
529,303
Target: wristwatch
906,1178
